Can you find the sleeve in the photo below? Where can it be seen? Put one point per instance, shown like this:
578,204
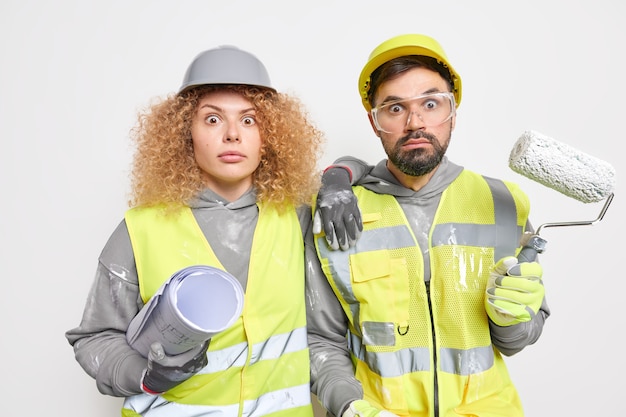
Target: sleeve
513,339
357,167
99,341
332,371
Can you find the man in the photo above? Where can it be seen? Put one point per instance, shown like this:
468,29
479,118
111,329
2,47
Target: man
413,318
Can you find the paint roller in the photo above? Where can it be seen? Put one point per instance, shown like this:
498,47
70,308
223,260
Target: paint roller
564,169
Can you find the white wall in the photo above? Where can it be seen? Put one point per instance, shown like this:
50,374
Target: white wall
73,74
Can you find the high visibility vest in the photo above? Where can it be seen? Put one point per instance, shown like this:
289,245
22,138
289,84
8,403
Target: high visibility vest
259,366
424,349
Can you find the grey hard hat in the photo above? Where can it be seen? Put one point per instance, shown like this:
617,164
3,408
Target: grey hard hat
226,65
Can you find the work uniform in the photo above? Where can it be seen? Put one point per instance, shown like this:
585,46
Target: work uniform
410,295
259,366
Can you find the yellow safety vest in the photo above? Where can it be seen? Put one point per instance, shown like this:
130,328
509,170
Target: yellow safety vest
259,366
423,349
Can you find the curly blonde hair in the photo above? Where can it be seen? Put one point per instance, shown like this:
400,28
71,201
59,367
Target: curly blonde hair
165,170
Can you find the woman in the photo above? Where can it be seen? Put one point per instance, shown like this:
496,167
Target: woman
222,175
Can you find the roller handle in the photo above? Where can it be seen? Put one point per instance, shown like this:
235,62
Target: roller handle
532,245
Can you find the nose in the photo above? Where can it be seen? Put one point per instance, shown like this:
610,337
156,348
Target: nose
232,133
414,123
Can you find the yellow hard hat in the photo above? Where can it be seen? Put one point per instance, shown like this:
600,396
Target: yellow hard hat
402,45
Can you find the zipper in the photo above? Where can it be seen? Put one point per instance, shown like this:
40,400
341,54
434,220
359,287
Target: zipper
435,378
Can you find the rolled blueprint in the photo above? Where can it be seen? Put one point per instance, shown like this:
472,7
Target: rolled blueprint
192,306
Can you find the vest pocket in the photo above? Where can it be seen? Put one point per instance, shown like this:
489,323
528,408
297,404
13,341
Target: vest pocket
381,286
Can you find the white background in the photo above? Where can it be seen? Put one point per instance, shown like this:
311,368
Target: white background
74,73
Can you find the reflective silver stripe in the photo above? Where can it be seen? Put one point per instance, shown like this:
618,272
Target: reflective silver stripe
272,348
392,364
453,361
502,236
340,264
278,400
467,234
272,402
220,360
508,232
377,333
280,344
466,362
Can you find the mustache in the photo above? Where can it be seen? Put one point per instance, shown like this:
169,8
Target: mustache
417,134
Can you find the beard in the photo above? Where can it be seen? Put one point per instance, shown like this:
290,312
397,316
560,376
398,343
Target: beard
417,162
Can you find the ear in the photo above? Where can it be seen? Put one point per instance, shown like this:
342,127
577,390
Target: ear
376,132
453,122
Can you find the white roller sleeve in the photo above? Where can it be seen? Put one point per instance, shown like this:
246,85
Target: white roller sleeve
562,168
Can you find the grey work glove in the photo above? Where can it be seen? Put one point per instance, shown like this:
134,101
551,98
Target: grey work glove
337,210
165,372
